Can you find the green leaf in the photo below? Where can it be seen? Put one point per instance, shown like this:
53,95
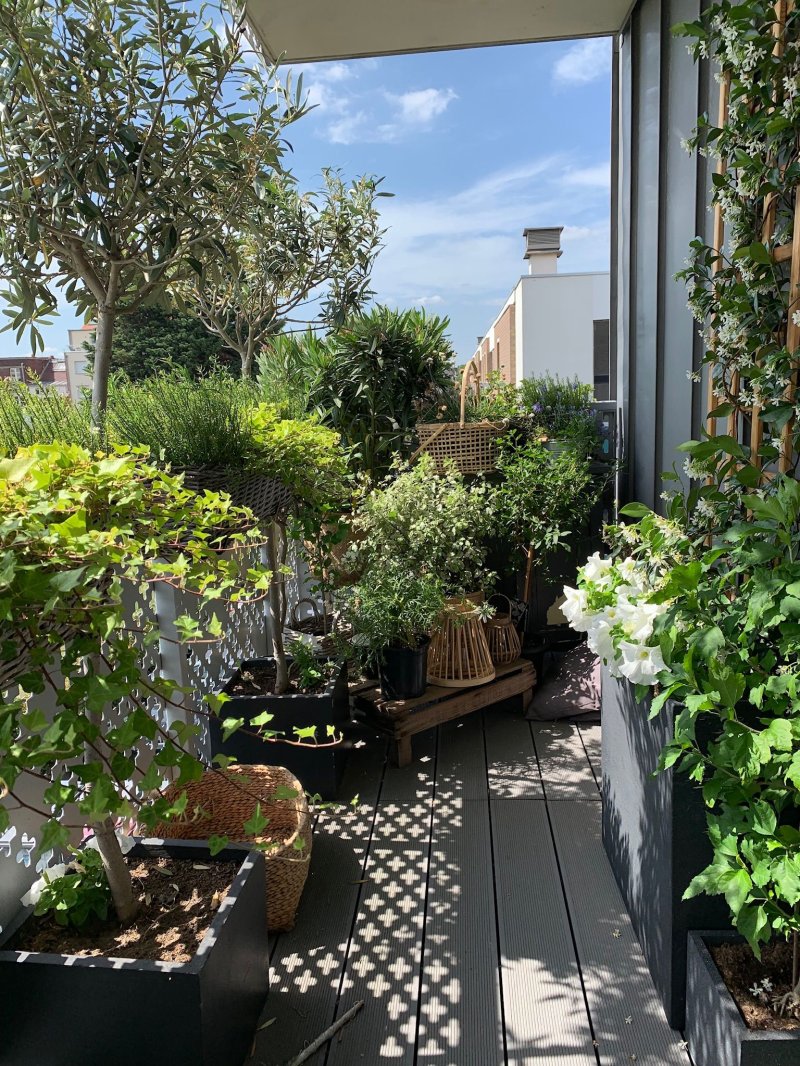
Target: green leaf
635,510
257,823
216,844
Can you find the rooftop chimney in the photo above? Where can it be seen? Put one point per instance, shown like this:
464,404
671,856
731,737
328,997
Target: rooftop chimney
542,249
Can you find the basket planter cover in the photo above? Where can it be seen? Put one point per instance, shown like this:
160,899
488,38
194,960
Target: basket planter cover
319,770
715,1030
60,1010
654,833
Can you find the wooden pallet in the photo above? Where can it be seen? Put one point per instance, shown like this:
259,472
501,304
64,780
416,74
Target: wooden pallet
400,720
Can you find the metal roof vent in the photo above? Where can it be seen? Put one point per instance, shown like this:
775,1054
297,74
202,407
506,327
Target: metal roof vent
542,248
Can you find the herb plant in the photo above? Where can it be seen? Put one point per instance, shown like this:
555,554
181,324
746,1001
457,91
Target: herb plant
392,606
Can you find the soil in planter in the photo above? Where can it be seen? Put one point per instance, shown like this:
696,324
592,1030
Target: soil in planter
260,681
178,899
741,970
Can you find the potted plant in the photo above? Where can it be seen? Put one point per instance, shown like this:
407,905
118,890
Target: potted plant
302,729
393,611
85,748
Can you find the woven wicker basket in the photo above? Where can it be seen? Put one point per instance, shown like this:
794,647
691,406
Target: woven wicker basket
502,636
226,800
266,497
470,446
458,656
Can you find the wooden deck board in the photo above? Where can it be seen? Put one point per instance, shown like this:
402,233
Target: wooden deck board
460,1019
628,1019
590,735
385,953
307,962
545,1014
511,756
566,772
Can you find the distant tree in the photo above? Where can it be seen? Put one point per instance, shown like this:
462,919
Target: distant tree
154,339
290,258
132,136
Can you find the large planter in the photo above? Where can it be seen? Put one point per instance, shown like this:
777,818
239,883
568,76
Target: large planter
654,833
715,1030
319,769
403,672
60,1010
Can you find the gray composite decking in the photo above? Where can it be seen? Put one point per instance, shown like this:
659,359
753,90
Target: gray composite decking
468,901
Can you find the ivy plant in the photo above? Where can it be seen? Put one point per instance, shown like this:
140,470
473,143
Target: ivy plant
76,530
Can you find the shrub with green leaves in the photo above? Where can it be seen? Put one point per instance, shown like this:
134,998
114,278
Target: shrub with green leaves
393,606
383,367
426,522
41,416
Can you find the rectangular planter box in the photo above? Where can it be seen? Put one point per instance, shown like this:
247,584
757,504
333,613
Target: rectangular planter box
715,1030
654,833
61,1010
318,770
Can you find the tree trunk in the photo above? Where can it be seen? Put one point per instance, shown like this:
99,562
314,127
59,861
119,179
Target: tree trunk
102,362
276,611
247,359
117,872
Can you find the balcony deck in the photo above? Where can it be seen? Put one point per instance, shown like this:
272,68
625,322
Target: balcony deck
468,901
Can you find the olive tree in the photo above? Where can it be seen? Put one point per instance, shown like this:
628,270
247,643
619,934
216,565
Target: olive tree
131,135
288,257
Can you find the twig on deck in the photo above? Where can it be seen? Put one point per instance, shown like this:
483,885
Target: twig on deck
323,1038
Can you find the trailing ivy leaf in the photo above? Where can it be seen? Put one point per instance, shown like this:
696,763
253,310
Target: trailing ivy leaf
216,844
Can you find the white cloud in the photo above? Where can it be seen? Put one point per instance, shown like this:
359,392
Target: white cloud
422,105
428,301
347,129
598,176
584,62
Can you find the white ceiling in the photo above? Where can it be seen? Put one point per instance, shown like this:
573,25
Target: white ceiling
307,30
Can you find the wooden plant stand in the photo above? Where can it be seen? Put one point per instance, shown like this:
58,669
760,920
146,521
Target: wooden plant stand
400,720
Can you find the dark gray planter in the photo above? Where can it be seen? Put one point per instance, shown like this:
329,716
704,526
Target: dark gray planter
715,1030
319,770
654,833
59,1010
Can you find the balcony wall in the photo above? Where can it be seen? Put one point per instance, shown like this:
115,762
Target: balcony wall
659,206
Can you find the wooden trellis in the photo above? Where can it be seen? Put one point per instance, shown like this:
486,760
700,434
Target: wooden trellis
742,414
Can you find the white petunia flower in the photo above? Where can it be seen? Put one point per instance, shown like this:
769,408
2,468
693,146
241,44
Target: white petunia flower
598,570
575,608
600,641
52,873
638,618
640,664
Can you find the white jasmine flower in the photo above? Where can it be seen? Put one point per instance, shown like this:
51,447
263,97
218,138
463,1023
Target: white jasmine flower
640,664
125,843
52,873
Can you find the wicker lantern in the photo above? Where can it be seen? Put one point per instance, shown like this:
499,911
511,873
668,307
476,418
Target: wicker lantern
459,656
502,636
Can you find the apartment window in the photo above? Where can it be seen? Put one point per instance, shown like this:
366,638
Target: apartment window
15,373
82,368
605,378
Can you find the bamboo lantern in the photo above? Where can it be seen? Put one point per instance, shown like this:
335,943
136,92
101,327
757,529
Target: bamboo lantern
458,656
502,636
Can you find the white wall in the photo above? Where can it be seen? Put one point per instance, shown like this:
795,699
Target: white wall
554,322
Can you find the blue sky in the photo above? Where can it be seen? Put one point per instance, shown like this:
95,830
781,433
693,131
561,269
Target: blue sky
475,145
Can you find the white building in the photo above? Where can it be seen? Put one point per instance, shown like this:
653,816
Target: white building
552,322
77,359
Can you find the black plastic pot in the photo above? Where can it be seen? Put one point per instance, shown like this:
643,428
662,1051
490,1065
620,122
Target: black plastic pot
715,1030
319,769
62,1009
654,833
403,672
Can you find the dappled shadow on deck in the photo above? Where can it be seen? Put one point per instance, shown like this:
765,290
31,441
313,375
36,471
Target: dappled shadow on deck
468,902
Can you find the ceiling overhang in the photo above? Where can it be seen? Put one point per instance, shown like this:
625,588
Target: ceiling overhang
309,30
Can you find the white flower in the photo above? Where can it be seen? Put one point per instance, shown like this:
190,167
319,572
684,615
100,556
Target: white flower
638,619
640,664
598,570
600,641
575,608
125,843
52,873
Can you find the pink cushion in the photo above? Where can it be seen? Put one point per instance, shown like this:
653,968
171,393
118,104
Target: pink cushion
573,689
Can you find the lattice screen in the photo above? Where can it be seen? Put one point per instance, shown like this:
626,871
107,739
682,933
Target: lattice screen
744,422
